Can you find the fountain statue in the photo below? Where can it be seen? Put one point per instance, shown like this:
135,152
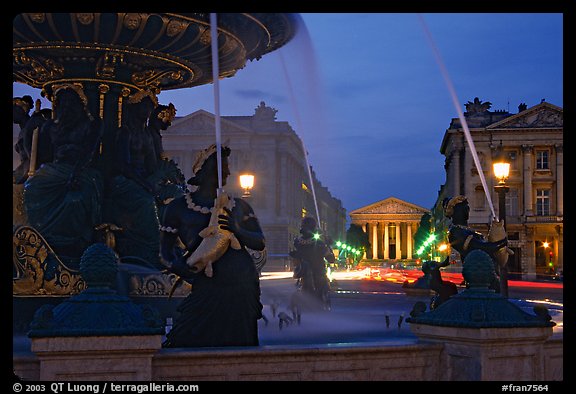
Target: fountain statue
105,178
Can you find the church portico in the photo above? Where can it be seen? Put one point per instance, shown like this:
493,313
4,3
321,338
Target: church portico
390,225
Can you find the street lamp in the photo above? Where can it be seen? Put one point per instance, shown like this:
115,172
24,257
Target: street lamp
246,183
501,171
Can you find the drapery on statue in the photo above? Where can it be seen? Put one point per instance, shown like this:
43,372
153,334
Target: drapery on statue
311,254
465,239
221,309
63,198
131,197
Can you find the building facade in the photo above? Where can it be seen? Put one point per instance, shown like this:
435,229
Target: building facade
271,151
532,140
390,225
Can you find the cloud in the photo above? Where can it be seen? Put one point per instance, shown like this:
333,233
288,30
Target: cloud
260,95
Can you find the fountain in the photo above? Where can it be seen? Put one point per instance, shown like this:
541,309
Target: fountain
112,61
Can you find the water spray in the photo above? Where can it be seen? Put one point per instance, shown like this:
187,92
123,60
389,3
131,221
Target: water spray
215,78
299,126
456,103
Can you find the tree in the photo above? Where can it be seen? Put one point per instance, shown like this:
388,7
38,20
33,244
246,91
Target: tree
423,230
356,237
356,243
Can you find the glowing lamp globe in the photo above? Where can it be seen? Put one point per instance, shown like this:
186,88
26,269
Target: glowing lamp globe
247,183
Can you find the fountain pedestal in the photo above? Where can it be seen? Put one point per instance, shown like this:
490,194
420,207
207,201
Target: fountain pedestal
97,334
488,354
96,358
485,336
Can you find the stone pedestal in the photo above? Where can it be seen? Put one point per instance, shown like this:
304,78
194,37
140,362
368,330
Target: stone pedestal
488,354
485,336
96,358
97,334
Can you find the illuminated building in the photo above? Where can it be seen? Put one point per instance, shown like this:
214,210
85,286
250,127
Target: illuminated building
532,140
391,225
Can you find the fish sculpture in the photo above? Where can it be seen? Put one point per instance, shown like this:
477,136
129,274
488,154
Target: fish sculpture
215,240
496,233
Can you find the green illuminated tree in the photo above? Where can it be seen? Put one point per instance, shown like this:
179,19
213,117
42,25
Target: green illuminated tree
356,237
423,230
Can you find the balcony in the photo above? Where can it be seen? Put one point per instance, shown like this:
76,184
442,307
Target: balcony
544,219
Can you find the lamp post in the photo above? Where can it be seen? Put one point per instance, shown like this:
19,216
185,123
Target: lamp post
246,183
501,171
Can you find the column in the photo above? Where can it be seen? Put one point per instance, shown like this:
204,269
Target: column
386,242
398,249
559,180
559,252
455,167
409,240
380,239
527,168
529,256
375,240
365,229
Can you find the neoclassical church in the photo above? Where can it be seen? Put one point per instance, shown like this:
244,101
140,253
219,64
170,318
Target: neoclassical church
390,225
532,140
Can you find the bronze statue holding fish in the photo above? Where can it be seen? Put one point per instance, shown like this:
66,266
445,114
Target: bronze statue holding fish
204,239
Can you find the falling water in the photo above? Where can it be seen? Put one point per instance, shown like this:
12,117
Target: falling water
215,78
299,126
456,103
302,32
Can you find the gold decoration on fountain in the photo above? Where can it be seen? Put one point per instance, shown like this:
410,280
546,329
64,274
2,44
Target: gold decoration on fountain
157,285
132,21
167,115
31,264
156,78
140,95
36,71
85,18
106,66
205,36
175,27
109,237
18,212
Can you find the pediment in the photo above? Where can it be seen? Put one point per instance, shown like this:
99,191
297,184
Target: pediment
390,205
543,115
202,121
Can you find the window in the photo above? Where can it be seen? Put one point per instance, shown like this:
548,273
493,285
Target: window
543,202
542,160
479,199
512,155
512,202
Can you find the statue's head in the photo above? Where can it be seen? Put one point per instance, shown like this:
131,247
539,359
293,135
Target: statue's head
69,101
429,266
21,106
456,208
163,115
308,226
205,167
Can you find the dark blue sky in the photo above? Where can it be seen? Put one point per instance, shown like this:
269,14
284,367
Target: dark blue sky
367,97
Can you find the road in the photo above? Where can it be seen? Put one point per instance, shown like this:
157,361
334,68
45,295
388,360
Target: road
360,306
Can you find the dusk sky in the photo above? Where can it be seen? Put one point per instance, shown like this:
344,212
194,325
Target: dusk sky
366,95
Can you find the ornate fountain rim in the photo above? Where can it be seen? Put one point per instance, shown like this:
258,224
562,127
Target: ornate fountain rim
156,51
